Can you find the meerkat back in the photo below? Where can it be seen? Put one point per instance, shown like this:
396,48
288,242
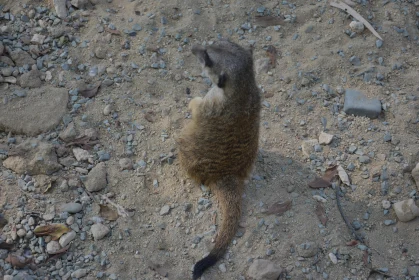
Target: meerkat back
219,145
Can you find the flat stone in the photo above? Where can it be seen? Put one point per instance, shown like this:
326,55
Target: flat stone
69,133
99,231
38,39
7,60
165,210
31,79
71,207
79,273
66,238
10,80
308,249
96,179
415,174
358,104
307,146
41,110
100,52
125,163
61,8
33,157
21,58
264,270
325,138
364,159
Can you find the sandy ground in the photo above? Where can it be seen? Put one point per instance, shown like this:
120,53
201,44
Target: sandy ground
313,51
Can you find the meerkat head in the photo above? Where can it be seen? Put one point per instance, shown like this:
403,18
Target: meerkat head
225,63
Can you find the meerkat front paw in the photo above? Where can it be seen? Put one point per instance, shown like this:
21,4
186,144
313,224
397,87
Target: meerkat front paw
194,103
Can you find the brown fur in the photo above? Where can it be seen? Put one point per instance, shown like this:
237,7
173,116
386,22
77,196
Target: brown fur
219,145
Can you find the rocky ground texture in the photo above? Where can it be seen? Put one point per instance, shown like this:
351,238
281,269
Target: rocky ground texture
92,94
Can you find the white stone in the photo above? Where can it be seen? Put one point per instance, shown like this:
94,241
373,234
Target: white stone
325,138
65,239
81,155
165,210
38,39
386,204
264,270
320,198
406,210
99,231
357,26
107,110
333,258
308,146
53,247
79,273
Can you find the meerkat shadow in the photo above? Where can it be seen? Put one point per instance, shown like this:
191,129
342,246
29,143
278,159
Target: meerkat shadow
275,178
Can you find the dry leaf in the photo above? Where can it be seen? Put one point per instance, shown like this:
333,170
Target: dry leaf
343,176
54,230
48,187
17,261
279,208
84,142
272,54
107,213
321,213
269,95
90,91
325,181
352,243
319,183
330,173
121,210
149,116
365,258
265,21
115,32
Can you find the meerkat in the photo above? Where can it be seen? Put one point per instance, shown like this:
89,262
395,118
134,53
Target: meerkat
219,145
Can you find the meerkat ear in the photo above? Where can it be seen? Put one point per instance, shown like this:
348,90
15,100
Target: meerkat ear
202,55
222,79
207,59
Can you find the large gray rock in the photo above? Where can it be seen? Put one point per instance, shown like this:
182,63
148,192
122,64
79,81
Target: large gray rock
415,174
31,79
21,58
264,270
61,8
358,104
33,157
96,179
41,110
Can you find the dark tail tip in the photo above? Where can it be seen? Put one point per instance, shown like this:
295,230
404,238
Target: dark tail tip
203,265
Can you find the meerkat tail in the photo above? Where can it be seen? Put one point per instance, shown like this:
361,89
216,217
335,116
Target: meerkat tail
229,193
